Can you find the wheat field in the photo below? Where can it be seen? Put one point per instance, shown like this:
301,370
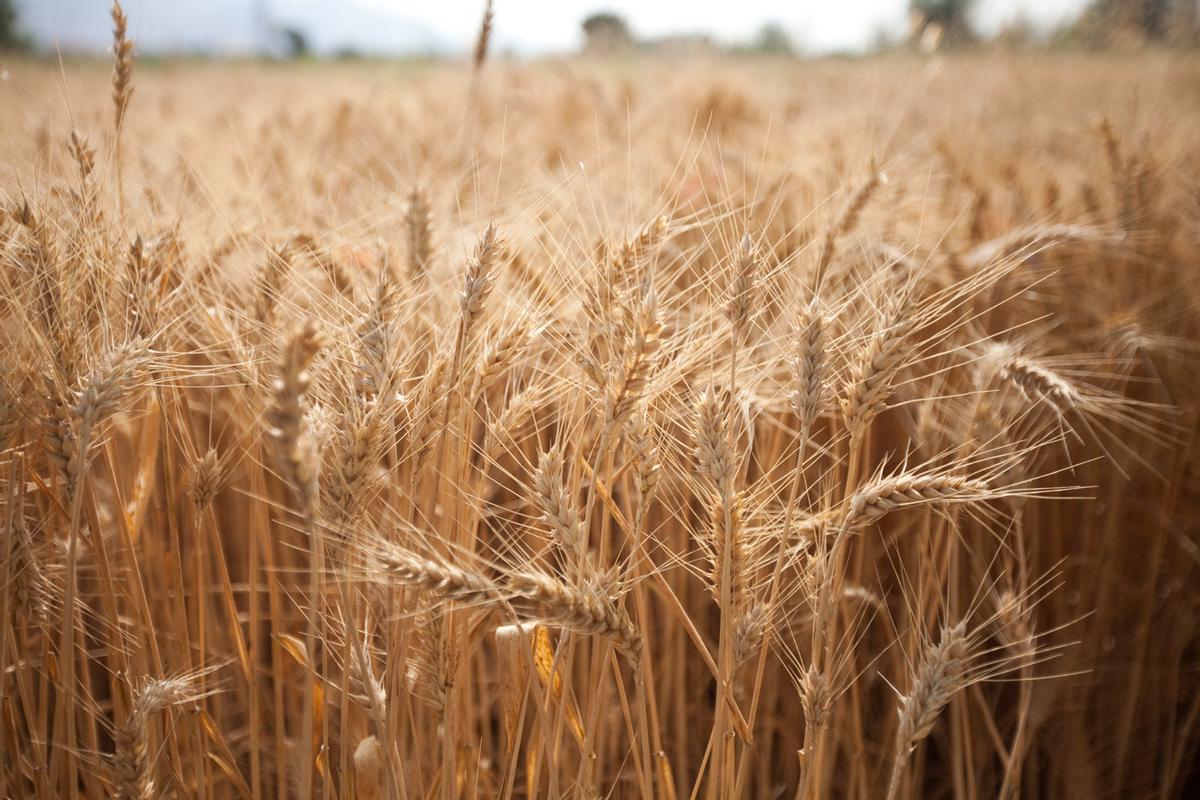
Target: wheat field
655,428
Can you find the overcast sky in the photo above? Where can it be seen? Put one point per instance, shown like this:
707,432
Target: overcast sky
527,26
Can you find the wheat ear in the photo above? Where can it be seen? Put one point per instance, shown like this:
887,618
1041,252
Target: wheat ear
478,282
418,230
847,222
715,458
285,415
444,580
586,609
484,38
809,379
642,328
941,671
552,499
739,308
132,763
874,373
880,497
122,89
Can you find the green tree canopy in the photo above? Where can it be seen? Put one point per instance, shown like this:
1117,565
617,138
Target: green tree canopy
11,37
606,31
773,39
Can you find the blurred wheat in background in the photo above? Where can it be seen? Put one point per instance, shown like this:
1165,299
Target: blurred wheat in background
654,429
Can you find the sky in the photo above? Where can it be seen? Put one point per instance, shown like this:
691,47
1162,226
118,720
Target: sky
530,27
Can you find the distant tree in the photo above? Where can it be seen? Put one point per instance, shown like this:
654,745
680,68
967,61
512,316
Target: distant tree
773,39
1148,20
950,17
1152,18
295,43
11,37
606,32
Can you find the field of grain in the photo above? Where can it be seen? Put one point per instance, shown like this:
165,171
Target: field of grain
635,428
